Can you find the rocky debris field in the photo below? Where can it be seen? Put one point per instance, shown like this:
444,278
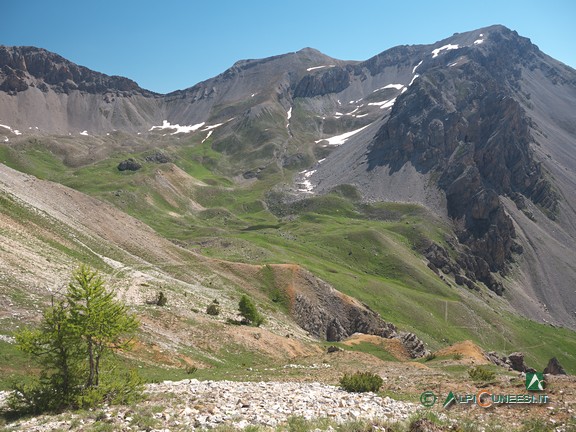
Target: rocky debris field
193,404
229,405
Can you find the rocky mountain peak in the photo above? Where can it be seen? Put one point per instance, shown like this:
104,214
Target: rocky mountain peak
25,67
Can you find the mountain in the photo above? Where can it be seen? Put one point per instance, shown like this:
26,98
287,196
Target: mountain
426,194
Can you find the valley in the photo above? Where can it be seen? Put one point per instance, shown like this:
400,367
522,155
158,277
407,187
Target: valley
391,208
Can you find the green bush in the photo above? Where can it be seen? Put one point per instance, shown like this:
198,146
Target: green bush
249,312
360,382
213,308
481,374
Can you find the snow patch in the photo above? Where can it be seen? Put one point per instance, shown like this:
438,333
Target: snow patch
413,78
444,48
384,104
289,113
253,94
207,136
14,131
394,86
179,129
84,133
478,41
416,67
341,139
307,173
209,128
6,139
319,67
305,186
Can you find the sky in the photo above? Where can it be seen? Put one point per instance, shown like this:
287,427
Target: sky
171,45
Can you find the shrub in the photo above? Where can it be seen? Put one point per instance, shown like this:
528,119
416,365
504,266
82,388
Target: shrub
249,312
213,308
481,374
360,382
162,299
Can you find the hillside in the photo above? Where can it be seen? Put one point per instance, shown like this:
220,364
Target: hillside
393,206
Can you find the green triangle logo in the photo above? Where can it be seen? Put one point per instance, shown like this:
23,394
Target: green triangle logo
534,381
449,400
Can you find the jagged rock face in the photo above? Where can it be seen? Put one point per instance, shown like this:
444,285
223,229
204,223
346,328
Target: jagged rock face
338,319
28,66
414,345
334,80
330,315
462,126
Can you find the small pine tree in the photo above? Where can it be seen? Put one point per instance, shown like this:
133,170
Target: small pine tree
74,336
249,312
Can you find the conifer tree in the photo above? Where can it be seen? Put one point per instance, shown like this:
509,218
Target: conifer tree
70,344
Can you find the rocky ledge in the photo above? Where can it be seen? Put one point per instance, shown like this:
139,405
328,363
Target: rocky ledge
192,404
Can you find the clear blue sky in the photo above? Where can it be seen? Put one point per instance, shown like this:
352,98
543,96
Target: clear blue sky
169,45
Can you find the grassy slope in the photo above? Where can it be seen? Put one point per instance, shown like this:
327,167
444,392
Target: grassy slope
365,251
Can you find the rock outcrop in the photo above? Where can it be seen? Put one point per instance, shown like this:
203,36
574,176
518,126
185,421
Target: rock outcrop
129,165
331,315
516,362
24,67
465,128
554,367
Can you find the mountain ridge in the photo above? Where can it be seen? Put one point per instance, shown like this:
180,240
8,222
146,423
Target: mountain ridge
459,126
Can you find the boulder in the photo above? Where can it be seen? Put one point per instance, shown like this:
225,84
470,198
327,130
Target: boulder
516,362
494,358
129,165
158,157
413,345
554,367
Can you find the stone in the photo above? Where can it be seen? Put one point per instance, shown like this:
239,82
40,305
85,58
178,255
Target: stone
158,157
554,367
516,362
129,165
496,359
413,345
